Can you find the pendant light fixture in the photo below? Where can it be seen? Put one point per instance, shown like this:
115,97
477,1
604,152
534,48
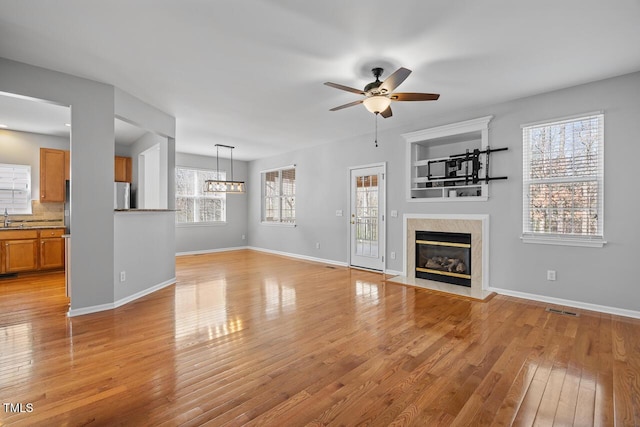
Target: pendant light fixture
224,186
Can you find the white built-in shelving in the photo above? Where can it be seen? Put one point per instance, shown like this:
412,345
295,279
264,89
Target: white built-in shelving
431,175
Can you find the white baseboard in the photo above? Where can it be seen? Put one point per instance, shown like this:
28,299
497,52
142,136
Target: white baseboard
304,257
393,273
89,310
569,303
120,302
211,251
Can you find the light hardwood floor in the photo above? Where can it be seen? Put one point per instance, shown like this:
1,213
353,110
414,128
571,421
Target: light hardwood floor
258,339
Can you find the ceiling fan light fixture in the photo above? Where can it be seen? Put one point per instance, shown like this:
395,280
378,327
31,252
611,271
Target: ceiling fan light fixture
377,104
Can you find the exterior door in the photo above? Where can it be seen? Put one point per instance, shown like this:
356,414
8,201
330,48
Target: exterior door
367,217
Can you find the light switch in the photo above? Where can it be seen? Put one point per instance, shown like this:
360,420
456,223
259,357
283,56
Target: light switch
394,214
339,212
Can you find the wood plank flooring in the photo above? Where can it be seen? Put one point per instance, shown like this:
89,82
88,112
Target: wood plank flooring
248,338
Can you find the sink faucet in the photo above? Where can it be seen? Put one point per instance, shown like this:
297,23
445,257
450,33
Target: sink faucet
6,218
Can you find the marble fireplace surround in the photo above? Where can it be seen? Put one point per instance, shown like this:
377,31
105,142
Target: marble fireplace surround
476,225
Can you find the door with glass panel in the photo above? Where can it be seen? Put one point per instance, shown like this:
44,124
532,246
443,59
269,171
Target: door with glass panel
367,217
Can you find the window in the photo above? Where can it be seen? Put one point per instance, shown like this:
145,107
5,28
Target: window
279,196
15,189
563,179
193,204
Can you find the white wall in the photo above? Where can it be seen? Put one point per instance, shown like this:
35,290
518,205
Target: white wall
602,276
23,148
204,238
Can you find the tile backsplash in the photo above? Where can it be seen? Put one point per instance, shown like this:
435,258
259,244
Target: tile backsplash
43,214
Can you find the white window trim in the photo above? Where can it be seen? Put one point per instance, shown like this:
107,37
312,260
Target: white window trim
10,186
203,223
262,196
591,241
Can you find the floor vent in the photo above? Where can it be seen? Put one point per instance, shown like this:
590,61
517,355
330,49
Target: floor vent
566,313
330,267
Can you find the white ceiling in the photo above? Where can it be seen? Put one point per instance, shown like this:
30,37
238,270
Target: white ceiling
249,73
29,115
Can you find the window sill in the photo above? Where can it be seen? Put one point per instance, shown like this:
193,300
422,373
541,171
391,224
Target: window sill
201,224
278,224
563,241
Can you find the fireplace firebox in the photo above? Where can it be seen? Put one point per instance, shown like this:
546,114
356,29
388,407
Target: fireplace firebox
444,257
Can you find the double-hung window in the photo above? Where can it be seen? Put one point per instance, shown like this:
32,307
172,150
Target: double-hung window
15,189
563,181
279,196
193,204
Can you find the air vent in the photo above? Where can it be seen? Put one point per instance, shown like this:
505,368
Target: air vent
567,313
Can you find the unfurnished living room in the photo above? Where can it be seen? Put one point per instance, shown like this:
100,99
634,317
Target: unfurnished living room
285,213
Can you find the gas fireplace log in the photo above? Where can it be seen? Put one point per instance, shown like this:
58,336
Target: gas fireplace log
452,265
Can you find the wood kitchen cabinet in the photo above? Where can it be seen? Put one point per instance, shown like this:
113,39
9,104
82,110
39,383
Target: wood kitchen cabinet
52,175
19,251
51,249
122,167
31,250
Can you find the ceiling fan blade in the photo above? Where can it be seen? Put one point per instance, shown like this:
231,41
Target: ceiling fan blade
394,80
412,96
343,87
351,104
387,113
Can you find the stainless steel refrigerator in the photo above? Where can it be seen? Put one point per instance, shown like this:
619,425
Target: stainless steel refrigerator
121,195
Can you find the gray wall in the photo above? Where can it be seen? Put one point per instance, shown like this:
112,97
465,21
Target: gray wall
93,106
205,238
23,148
602,276
143,251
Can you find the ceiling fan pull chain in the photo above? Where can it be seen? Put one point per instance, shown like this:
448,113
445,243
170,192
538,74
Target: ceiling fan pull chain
376,141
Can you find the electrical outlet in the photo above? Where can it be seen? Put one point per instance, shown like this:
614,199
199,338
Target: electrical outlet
394,214
393,255
551,275
123,276
339,212
317,245
243,237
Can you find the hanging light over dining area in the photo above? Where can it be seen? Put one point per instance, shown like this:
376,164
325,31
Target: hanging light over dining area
223,185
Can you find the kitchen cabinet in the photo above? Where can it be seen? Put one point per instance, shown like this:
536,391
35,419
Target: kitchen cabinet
51,249
52,175
31,250
19,250
122,167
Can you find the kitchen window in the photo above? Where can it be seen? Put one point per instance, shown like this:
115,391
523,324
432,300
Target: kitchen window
15,189
563,181
193,204
279,196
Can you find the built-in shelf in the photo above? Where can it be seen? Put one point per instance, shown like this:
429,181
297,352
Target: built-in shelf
438,162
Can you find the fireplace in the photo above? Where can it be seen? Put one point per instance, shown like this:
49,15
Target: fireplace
444,257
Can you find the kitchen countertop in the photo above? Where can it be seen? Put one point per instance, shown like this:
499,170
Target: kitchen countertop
30,227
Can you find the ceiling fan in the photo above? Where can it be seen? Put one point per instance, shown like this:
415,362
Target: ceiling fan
378,95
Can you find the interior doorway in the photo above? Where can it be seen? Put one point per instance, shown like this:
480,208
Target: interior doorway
367,216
